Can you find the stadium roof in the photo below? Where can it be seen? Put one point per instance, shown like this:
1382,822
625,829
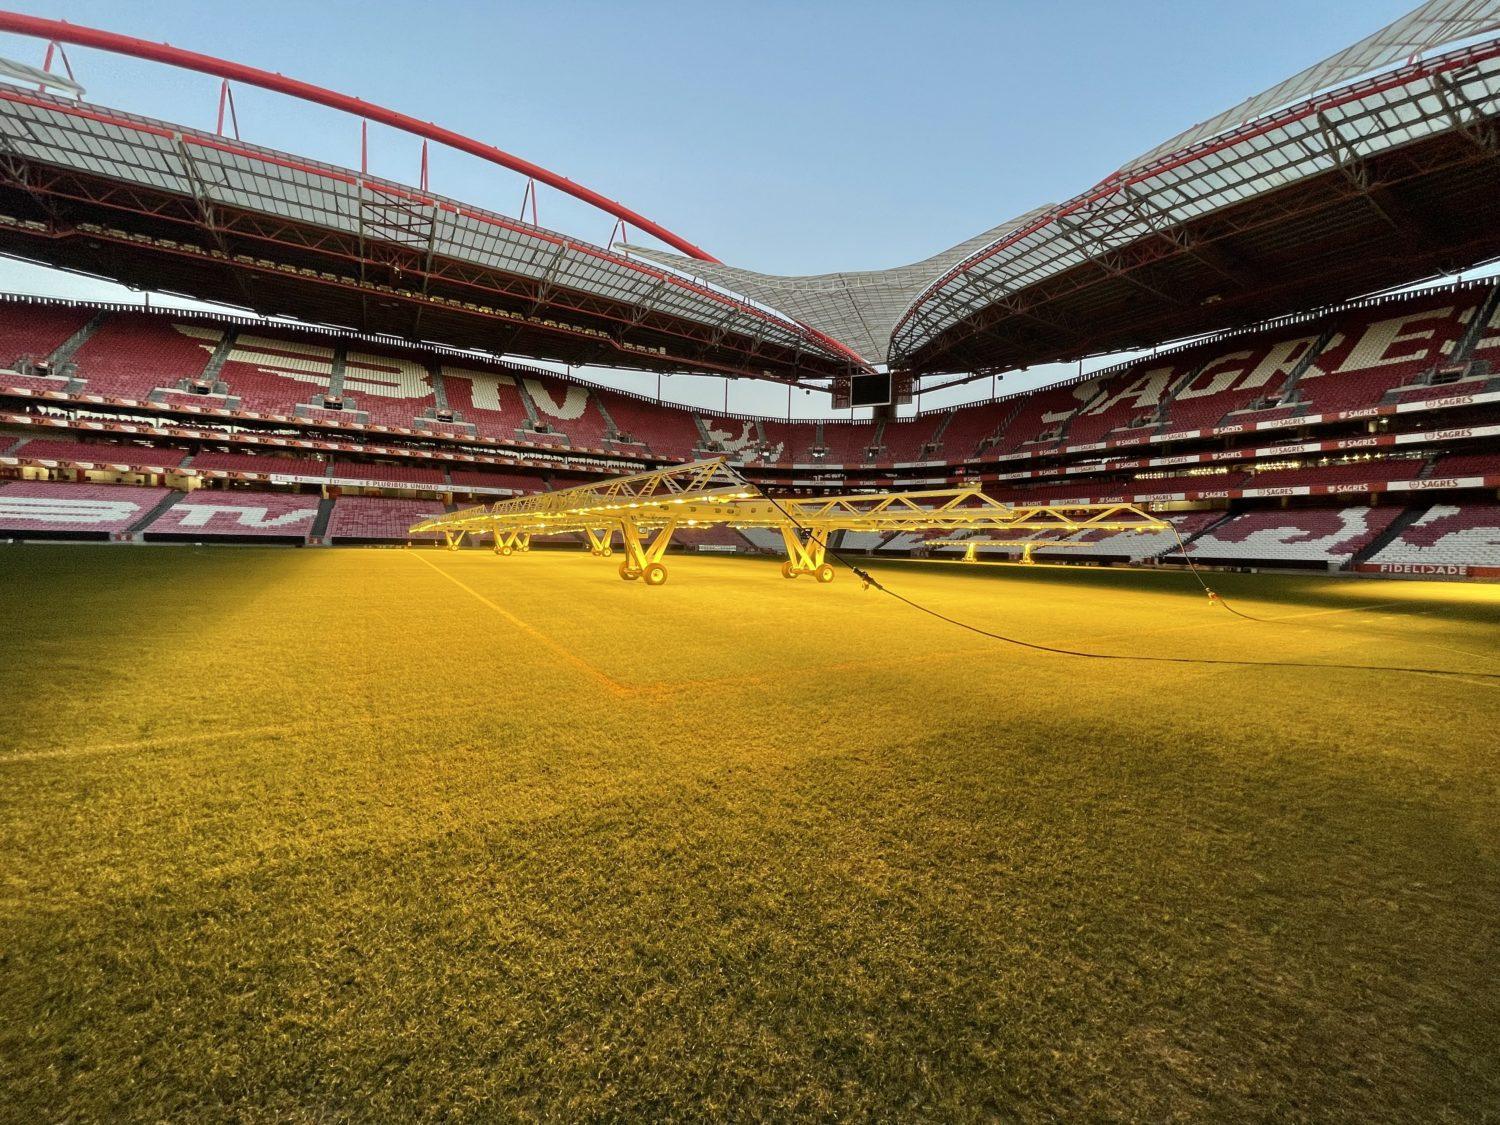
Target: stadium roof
1373,168
966,309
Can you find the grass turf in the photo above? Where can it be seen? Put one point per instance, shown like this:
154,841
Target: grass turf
327,834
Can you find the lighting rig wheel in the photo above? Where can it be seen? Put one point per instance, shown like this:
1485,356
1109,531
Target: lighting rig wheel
655,574
628,574
524,549
607,552
507,551
825,573
787,571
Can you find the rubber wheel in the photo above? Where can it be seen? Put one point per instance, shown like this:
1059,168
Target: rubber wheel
787,571
607,552
628,574
656,574
825,573
507,551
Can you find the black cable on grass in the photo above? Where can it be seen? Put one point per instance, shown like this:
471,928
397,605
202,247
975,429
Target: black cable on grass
870,580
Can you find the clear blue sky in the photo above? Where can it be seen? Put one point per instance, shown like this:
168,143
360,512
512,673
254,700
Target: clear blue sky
783,137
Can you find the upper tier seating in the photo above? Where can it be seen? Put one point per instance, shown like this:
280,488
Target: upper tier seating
1314,535
272,372
664,430
400,474
374,518
392,389
36,330
101,453
489,399
786,443
1447,536
568,408
848,442
132,354
53,506
970,426
1036,417
209,513
261,463
905,440
1375,350
1240,375
1130,399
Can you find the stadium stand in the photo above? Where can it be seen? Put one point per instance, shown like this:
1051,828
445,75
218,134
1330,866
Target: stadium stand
130,355
1466,465
214,514
92,510
1445,536
1130,400
907,441
476,478
1037,418
391,390
373,519
850,443
1252,373
717,539
489,399
1136,544
270,372
784,443
101,453
1350,472
37,330
666,431
375,472
1304,535
261,463
1374,351
969,428
569,409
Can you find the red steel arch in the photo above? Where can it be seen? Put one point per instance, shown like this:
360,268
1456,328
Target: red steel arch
63,32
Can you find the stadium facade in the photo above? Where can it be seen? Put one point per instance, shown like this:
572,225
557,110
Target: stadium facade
1302,422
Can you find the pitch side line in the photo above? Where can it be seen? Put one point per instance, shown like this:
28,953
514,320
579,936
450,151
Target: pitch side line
613,686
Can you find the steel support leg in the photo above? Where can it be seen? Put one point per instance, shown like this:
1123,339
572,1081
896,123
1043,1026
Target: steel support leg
805,556
599,542
643,556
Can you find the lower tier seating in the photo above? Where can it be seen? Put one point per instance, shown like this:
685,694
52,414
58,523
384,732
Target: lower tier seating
372,518
43,507
1448,536
211,513
1312,535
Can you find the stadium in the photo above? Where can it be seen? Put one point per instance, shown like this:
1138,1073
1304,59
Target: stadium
1122,746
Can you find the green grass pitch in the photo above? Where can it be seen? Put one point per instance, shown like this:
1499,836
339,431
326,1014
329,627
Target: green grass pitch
325,835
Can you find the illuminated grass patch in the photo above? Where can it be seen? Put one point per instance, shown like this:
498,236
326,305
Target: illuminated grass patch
378,834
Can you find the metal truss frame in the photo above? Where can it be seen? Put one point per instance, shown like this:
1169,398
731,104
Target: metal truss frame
391,250
1183,202
646,509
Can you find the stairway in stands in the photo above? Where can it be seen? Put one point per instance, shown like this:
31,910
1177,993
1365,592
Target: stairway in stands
1407,517
319,532
1290,396
60,362
133,532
